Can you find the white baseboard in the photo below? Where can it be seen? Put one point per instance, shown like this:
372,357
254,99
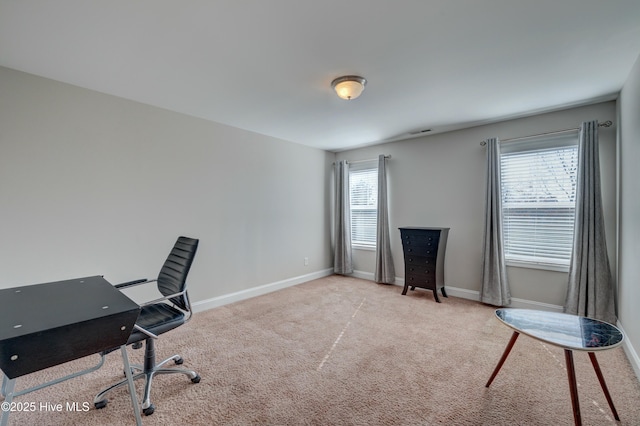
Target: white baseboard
632,355
464,293
365,275
530,304
225,299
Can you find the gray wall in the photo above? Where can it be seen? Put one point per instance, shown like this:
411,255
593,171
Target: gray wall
438,180
94,184
629,221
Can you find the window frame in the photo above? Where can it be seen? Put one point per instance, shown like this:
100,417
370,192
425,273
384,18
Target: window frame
539,143
363,167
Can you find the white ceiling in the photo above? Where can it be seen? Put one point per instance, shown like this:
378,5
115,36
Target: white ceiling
267,65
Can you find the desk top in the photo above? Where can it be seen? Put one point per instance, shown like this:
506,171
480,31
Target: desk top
39,307
564,330
47,324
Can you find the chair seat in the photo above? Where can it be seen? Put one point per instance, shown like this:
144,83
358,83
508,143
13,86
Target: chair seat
157,319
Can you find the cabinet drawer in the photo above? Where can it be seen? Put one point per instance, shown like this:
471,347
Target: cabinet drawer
423,282
429,251
422,243
421,239
428,234
421,271
429,261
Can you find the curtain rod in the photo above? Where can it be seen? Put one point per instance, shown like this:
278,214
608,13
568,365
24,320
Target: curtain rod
607,123
363,161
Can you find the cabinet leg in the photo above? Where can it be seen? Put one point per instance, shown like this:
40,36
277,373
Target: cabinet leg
435,295
404,291
444,293
412,288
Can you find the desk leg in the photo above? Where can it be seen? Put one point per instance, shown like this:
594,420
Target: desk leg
4,384
573,387
596,367
56,381
7,386
512,342
132,388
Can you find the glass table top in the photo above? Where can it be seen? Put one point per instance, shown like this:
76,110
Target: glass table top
564,330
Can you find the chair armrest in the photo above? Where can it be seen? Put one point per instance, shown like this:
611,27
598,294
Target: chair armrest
162,299
145,331
133,283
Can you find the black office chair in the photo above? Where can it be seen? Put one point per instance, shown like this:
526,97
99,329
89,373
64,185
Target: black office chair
159,316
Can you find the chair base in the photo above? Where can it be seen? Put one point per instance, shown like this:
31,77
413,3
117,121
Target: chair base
148,371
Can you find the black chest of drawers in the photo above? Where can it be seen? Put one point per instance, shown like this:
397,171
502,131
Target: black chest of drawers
424,250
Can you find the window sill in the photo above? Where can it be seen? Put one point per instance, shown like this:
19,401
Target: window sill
533,265
365,248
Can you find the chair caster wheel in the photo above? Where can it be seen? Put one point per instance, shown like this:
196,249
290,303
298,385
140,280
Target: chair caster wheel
179,361
149,410
137,345
196,379
100,404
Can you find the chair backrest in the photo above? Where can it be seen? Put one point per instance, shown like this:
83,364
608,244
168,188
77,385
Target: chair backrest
173,275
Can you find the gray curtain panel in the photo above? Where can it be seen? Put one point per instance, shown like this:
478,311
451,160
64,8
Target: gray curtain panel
385,272
495,287
590,291
342,263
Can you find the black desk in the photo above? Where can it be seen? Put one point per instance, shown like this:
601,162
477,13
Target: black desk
48,324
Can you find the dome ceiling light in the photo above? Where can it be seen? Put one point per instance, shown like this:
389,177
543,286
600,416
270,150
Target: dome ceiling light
349,87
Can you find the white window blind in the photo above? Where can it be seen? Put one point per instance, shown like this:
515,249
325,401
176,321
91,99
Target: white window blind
538,200
363,190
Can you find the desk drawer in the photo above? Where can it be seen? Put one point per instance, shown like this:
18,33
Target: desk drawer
23,355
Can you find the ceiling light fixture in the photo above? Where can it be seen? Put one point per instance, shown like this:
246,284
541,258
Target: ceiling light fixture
349,87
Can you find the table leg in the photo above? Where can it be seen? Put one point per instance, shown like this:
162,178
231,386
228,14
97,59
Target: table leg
596,367
7,387
514,336
573,387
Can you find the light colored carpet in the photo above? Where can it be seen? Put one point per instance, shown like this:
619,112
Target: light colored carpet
344,351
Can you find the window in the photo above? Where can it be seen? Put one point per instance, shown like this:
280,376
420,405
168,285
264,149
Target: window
363,192
538,200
